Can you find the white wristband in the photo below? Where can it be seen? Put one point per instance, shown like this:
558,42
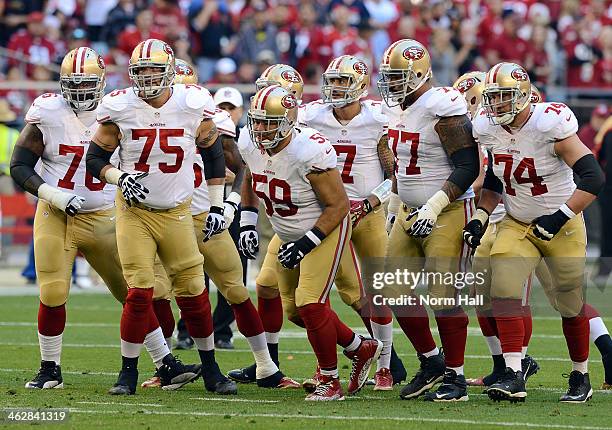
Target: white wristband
481,215
394,204
313,237
567,211
215,194
383,191
438,202
248,218
233,197
112,175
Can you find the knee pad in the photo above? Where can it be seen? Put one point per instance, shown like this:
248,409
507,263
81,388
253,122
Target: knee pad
188,282
54,293
138,276
234,294
265,292
267,277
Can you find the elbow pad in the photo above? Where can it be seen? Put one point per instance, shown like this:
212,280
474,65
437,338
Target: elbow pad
97,158
22,170
590,174
214,161
492,182
467,167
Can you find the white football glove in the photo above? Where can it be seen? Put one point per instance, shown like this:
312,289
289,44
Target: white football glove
67,202
427,214
248,244
392,209
215,222
132,190
230,207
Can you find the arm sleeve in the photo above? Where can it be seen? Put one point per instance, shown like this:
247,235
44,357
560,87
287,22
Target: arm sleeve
214,160
591,177
22,170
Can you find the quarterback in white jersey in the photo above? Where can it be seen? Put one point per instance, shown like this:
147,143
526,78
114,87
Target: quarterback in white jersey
436,163
157,127
294,171
533,153
358,132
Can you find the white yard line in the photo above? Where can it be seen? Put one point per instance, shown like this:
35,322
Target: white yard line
153,405
228,399
347,418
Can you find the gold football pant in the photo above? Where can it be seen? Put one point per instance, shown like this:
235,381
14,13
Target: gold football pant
516,252
142,233
58,237
221,263
443,251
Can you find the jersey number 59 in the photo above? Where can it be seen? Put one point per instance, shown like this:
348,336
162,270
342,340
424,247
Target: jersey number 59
279,193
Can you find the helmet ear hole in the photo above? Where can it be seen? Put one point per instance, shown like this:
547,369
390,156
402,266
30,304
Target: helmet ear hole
473,101
419,74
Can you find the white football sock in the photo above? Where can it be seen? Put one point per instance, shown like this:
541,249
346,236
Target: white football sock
265,365
458,370
156,346
494,345
513,360
272,337
205,343
129,349
581,366
384,333
50,347
523,351
354,344
598,328
431,353
333,373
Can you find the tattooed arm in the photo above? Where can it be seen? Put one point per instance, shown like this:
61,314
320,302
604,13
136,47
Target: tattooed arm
233,161
386,158
455,133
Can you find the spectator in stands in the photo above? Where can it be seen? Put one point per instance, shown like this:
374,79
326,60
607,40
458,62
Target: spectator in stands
382,14
168,19
14,16
569,15
337,37
468,56
96,14
444,59
491,26
182,47
537,61
119,18
230,100
116,68
247,72
212,23
358,14
257,35
603,68
131,36
587,131
264,60
225,72
582,55
32,44
507,46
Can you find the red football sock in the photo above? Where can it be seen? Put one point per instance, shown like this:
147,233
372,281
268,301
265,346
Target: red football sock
528,324
271,313
247,319
452,326
589,311
195,311
136,315
163,313
509,320
51,320
321,331
576,332
344,334
487,325
380,314
416,327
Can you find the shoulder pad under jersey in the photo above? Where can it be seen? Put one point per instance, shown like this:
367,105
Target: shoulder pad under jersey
555,120
446,101
197,99
224,123
45,107
307,112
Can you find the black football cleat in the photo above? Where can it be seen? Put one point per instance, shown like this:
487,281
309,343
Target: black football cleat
49,376
224,344
452,389
430,373
221,385
529,366
184,343
510,387
579,390
606,359
126,383
246,375
174,374
398,371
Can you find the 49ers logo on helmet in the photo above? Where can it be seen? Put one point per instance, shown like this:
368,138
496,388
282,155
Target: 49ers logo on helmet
413,53
182,69
291,76
519,74
167,49
466,84
101,62
534,97
361,68
289,101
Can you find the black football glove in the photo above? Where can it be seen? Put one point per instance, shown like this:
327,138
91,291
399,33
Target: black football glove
545,227
132,190
291,253
215,222
248,244
475,228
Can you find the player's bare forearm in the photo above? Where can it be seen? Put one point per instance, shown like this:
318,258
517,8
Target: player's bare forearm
394,184
488,200
238,180
207,133
455,134
248,196
385,155
327,185
31,138
233,161
580,200
28,150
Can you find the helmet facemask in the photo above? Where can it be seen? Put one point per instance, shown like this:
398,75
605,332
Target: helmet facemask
396,84
502,104
276,128
82,92
150,85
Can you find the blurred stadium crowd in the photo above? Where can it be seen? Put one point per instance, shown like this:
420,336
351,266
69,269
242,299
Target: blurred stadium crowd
564,43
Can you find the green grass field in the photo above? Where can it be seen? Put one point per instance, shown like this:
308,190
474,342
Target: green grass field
91,359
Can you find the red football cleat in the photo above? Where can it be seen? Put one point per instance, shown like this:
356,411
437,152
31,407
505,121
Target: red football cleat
329,389
367,353
383,380
286,383
153,382
310,385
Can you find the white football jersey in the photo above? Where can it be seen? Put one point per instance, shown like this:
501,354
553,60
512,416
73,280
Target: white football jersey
355,143
536,181
500,211
200,202
66,137
159,141
422,165
280,180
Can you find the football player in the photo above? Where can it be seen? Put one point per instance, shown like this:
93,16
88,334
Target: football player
155,126
598,331
436,163
293,170
533,152
358,133
221,258
75,212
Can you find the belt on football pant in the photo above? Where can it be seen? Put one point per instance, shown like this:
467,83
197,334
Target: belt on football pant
150,209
